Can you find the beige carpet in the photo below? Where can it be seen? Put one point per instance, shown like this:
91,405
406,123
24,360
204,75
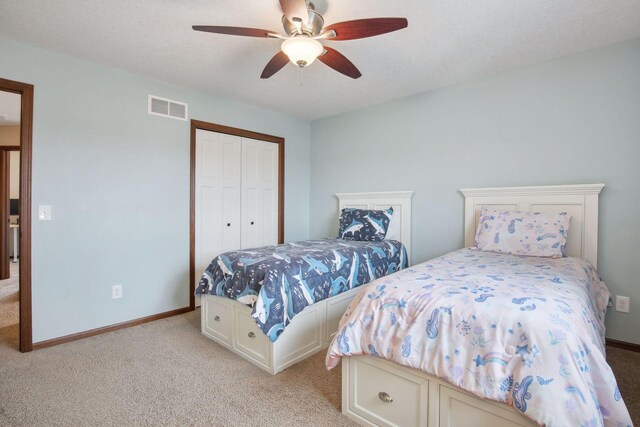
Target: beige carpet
625,366
167,373
161,373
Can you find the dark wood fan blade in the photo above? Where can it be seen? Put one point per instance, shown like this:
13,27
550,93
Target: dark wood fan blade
233,31
362,28
275,65
340,63
295,9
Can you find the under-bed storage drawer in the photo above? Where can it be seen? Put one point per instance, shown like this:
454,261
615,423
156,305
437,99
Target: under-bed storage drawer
386,396
460,409
249,340
216,320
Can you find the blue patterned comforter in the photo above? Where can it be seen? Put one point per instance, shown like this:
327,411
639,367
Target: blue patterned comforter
280,281
526,331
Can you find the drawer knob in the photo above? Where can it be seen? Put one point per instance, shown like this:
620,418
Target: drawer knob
228,224
252,335
217,318
384,396
251,222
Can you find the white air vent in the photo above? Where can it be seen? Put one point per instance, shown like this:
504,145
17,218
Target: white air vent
167,108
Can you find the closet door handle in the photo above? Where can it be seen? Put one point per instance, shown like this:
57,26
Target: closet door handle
228,224
251,335
217,318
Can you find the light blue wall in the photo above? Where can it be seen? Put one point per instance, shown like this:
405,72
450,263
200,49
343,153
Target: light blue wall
568,121
118,181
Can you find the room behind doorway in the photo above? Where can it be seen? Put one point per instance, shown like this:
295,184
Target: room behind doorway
10,113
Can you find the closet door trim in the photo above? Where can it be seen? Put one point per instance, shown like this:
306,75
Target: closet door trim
195,125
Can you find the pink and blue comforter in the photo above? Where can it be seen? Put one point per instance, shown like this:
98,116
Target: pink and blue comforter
525,331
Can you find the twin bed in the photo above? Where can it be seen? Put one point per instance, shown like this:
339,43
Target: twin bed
472,338
278,305
478,338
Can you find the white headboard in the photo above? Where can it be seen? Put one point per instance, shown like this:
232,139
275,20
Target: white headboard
400,201
579,201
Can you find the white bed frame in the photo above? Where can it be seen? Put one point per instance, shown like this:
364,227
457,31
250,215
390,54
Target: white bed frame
382,393
230,324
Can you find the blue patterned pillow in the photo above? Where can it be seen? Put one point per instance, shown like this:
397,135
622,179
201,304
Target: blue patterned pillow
364,224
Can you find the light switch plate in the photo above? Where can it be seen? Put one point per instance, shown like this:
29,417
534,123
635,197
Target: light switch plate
44,212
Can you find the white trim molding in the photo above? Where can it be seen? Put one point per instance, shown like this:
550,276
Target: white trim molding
534,190
376,195
580,201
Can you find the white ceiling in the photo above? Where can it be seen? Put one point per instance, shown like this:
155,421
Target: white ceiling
446,42
9,108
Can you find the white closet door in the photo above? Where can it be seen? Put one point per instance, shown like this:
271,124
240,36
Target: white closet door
259,193
218,186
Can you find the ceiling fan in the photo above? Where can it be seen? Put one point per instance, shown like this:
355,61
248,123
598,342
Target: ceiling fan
304,27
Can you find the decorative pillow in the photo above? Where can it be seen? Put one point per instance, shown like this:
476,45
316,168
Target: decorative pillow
393,231
523,233
364,224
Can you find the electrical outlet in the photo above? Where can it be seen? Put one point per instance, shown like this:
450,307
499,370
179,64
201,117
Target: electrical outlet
116,291
622,304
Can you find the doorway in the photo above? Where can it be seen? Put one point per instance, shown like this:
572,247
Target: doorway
9,194
16,107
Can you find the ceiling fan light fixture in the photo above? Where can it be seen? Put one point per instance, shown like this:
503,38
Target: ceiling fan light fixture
302,50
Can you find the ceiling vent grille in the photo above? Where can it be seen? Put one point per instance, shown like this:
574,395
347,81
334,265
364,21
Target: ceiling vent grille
168,108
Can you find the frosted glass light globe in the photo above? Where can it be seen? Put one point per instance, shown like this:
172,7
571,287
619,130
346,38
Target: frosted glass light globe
302,50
